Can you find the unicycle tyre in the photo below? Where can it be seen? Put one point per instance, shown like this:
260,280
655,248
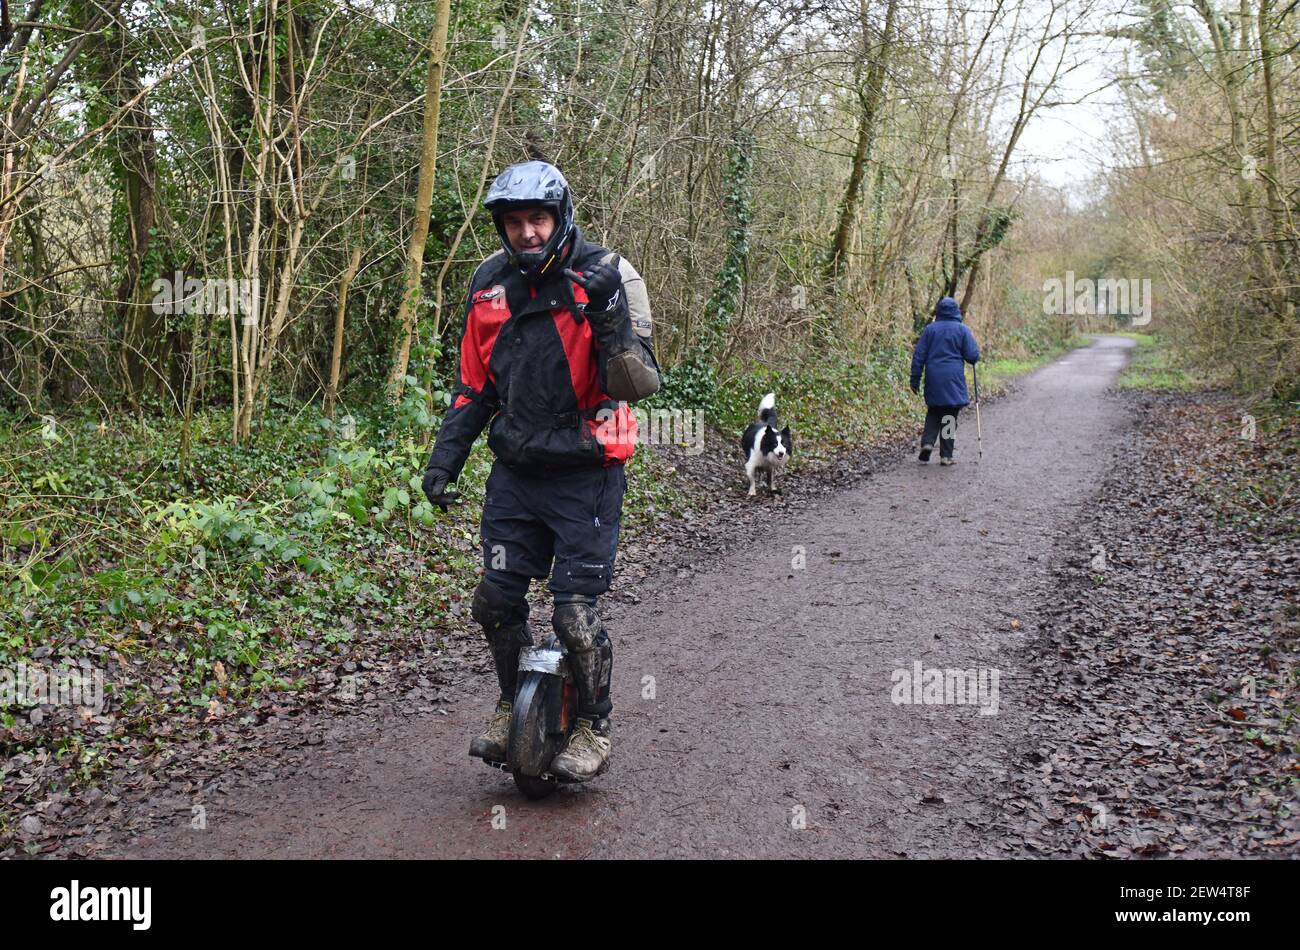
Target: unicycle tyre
541,719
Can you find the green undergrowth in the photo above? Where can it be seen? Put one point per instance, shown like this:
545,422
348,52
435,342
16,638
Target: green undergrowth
1153,367
218,581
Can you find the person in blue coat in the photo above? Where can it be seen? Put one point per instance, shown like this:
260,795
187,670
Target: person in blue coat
945,347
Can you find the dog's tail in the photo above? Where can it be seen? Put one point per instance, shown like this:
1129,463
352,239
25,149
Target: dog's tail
767,408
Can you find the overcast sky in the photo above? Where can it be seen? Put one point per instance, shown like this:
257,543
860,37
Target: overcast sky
1068,144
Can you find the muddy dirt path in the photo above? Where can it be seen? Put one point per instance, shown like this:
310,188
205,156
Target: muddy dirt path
754,708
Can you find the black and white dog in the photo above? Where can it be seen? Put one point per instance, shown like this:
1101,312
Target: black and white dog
765,446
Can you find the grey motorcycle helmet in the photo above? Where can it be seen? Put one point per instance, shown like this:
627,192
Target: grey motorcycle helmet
528,185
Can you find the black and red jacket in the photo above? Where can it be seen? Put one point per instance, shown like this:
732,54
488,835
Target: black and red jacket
528,365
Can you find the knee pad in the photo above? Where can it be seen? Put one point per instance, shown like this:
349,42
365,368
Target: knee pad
500,614
591,655
577,624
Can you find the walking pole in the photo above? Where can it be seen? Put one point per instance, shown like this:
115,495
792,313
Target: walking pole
979,432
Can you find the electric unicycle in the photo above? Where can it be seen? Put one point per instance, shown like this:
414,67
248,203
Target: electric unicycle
545,710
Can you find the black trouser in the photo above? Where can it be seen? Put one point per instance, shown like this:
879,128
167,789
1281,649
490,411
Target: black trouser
563,525
941,424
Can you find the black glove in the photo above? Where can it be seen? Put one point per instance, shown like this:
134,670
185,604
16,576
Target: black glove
916,386
435,489
604,286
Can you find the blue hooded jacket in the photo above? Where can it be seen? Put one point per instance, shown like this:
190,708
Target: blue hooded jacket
943,350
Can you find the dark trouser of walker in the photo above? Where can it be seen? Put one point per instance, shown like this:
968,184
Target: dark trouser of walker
941,430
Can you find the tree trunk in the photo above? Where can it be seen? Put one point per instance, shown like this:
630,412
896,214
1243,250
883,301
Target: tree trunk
143,331
869,100
336,357
408,311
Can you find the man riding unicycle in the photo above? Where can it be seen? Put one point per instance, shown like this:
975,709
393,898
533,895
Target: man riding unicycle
556,343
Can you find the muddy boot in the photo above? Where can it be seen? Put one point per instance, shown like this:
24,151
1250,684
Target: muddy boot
504,619
587,754
925,453
493,744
